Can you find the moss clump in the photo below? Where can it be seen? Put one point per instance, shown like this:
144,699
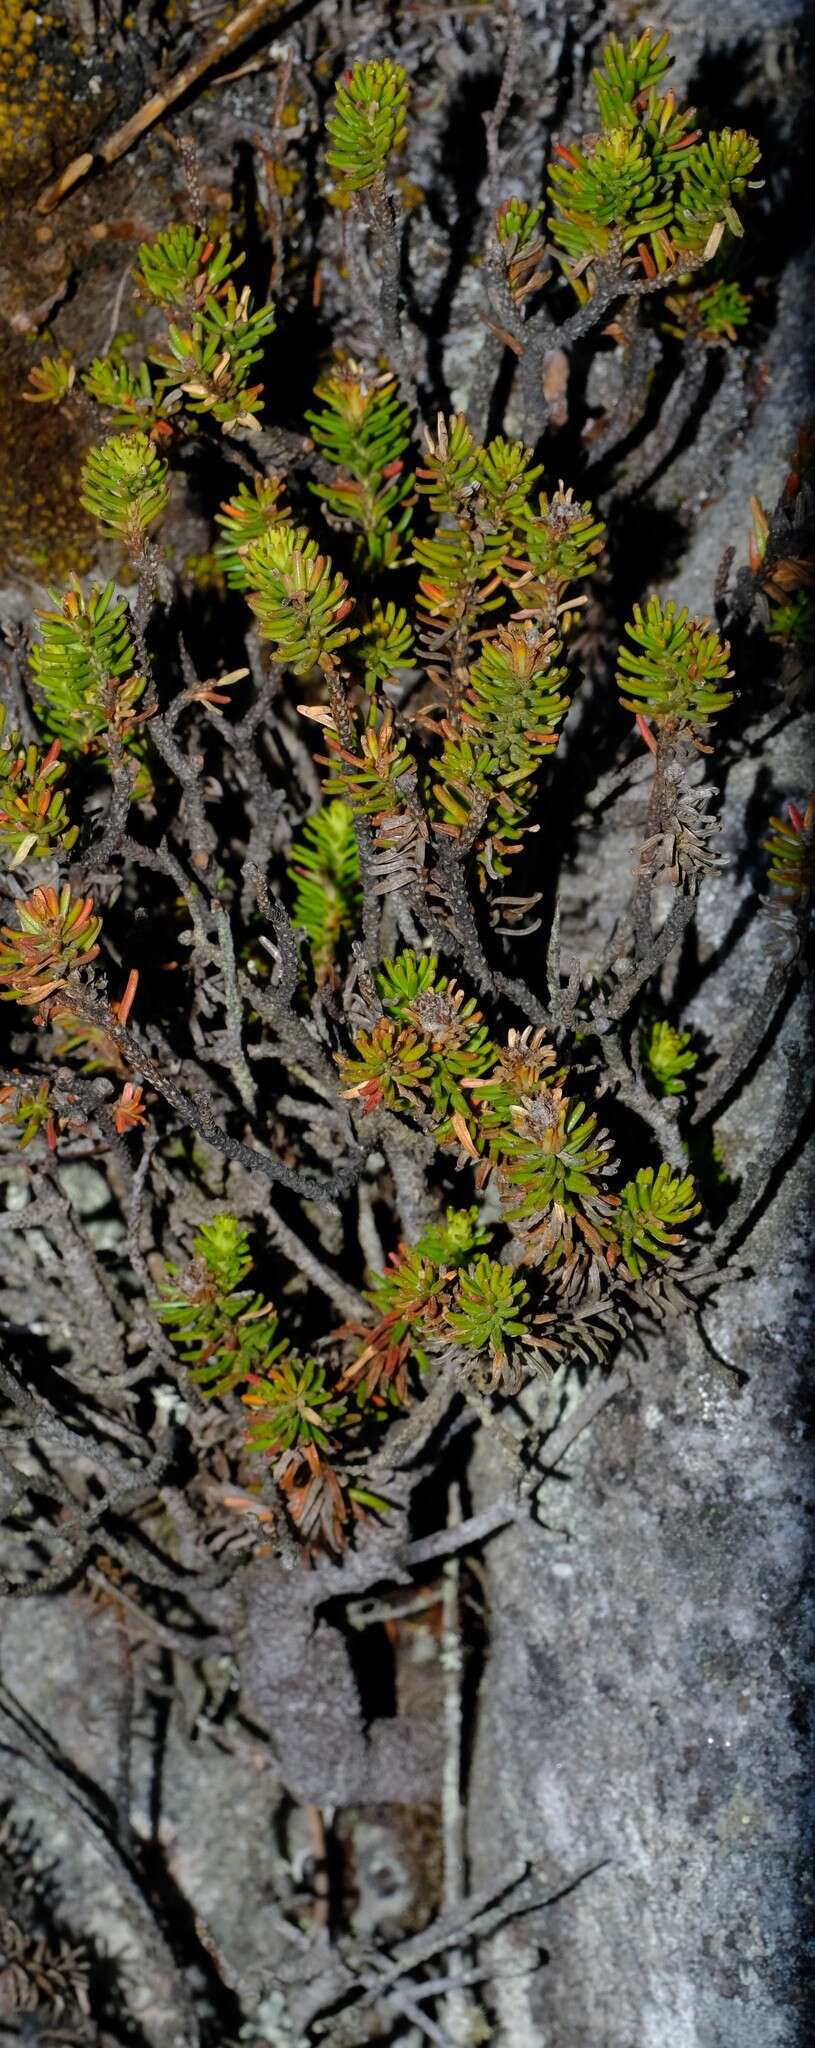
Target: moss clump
41,450
42,110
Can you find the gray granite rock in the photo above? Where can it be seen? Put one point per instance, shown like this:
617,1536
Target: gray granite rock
645,1700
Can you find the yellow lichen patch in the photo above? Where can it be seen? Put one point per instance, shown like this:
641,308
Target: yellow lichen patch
411,194
286,177
43,530
39,118
338,196
204,572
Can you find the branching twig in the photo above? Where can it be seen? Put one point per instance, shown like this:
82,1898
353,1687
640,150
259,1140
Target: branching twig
197,1114
242,25
746,1210
51,1781
755,1028
457,2012
614,1007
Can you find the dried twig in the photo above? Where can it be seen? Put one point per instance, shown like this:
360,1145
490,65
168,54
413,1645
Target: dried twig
243,24
515,1893
566,1433
457,2010
39,1768
197,1111
795,1106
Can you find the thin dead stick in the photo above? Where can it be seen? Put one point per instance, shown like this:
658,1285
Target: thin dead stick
197,1110
315,1821
495,120
42,1772
573,1425
181,1641
345,1297
124,1746
460,1536
502,1512
502,334
457,2011
517,1892
116,145
485,1411
401,2002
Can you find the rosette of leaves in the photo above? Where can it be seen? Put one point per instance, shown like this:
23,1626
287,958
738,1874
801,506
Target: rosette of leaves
506,476
460,563
222,1330
605,192
556,546
363,430
244,519
56,934
523,1067
463,480
518,230
460,581
369,780
493,543
51,379
391,1067
384,648
210,360
84,668
715,173
367,124
480,494
507,727
668,1056
226,1335
297,1415
486,1320
653,1208
294,1407
124,487
299,599
31,1111
408,1299
184,266
449,476
553,1160
792,623
647,180
214,336
33,812
791,847
552,1164
324,866
123,390
413,992
430,1039
627,73
722,309
713,316
677,677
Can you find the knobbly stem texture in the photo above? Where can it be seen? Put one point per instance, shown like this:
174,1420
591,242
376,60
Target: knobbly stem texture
368,796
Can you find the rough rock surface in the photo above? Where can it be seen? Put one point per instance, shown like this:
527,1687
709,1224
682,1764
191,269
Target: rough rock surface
644,1704
647,1701
643,1701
